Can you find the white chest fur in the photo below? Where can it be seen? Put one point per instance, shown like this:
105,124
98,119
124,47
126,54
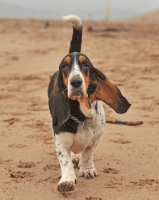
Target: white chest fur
92,131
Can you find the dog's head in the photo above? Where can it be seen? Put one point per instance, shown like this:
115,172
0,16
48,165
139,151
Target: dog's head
82,80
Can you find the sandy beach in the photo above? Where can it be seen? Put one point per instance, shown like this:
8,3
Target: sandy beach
127,157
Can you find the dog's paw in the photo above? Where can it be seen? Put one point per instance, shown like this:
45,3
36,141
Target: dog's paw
75,162
66,186
75,159
88,172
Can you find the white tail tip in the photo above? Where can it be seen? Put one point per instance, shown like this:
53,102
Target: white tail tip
73,19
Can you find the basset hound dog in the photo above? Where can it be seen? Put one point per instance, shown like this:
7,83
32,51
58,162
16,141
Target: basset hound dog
76,92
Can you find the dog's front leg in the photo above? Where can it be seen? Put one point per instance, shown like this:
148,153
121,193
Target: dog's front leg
63,143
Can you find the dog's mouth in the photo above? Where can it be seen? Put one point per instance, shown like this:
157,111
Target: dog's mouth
76,94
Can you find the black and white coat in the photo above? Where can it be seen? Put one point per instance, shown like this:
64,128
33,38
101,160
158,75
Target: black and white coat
76,92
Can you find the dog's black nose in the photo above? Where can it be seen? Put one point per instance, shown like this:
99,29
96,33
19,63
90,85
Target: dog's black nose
76,82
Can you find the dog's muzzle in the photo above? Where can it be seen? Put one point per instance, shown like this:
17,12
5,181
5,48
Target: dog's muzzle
76,88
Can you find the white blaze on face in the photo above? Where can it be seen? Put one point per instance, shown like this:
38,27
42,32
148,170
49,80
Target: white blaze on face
76,73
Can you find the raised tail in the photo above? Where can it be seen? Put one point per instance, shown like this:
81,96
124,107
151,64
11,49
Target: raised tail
76,42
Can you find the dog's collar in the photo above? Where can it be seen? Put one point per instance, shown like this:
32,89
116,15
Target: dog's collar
80,122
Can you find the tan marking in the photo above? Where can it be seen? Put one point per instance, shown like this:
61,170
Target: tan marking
86,79
67,60
65,79
85,102
84,99
82,59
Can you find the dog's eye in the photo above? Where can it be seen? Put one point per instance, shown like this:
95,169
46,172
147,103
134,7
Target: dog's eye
65,66
84,65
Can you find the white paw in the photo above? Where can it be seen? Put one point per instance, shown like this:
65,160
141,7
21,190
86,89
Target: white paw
67,182
88,172
66,186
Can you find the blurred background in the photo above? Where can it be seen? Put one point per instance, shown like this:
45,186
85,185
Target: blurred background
121,38
90,9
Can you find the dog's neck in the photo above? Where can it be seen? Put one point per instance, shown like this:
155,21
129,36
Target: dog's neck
87,107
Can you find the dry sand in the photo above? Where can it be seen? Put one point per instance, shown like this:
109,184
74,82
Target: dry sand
127,158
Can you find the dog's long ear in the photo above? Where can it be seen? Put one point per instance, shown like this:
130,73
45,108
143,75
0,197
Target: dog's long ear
58,102
109,93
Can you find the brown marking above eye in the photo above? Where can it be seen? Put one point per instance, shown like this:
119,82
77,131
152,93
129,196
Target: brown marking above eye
67,60
82,59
